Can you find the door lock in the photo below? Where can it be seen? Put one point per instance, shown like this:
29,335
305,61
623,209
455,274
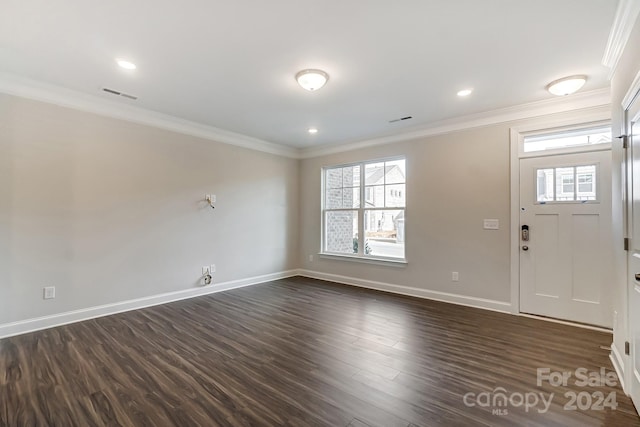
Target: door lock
525,233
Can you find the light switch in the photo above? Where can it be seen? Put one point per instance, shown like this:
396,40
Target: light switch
491,224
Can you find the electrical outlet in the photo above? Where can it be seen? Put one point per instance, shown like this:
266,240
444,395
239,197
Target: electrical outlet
212,268
455,276
206,270
49,292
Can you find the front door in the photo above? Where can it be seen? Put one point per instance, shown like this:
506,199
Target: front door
565,241
633,129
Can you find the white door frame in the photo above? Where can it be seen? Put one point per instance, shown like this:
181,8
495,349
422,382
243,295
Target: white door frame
624,359
574,119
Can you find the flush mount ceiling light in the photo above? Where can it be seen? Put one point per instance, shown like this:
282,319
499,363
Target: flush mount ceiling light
312,79
127,65
465,92
313,131
567,85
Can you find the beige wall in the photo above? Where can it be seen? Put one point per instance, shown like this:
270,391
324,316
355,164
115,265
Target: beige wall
626,71
454,181
108,211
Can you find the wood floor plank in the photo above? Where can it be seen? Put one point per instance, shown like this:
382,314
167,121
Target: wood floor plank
300,352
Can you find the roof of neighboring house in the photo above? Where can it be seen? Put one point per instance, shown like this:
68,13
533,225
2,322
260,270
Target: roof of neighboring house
375,175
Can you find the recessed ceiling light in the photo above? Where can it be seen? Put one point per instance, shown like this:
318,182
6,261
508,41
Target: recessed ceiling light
465,92
567,85
312,79
127,65
313,130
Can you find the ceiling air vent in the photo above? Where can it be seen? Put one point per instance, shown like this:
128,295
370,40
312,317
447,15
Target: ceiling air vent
400,119
116,93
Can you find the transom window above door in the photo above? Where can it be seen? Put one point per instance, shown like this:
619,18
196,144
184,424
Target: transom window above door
568,139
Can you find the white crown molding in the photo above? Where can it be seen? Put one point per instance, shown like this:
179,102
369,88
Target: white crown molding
39,91
626,16
578,101
36,324
632,93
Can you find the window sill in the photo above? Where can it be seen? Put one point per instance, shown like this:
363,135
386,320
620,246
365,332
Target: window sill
377,261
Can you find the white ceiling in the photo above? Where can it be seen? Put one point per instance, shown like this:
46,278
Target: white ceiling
231,64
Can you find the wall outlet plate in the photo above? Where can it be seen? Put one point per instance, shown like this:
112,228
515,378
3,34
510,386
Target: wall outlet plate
455,276
49,292
205,270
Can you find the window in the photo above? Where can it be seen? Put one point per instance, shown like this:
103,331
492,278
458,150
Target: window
573,138
364,209
558,184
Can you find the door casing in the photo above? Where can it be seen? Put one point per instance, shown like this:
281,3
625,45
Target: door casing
575,119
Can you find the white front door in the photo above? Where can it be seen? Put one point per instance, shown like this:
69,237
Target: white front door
633,129
565,241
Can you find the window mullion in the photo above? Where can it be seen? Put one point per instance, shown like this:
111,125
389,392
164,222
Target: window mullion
575,183
361,238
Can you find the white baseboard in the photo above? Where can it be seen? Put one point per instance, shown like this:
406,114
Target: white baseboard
486,304
566,322
30,325
618,365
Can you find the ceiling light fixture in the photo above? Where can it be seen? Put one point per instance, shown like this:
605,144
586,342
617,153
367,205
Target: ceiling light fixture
127,65
313,131
465,92
567,85
312,79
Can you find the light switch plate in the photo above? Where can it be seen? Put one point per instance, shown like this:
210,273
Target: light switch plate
491,224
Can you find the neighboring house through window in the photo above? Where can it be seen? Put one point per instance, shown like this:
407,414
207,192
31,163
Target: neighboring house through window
364,209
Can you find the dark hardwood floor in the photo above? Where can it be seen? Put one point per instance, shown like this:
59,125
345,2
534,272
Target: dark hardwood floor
303,352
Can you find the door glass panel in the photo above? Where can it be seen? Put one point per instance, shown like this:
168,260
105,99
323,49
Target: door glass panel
566,184
544,181
565,188
586,176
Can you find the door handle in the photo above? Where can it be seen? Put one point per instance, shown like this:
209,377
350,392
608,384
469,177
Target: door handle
637,277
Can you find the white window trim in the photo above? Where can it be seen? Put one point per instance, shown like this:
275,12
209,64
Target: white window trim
361,256
394,262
